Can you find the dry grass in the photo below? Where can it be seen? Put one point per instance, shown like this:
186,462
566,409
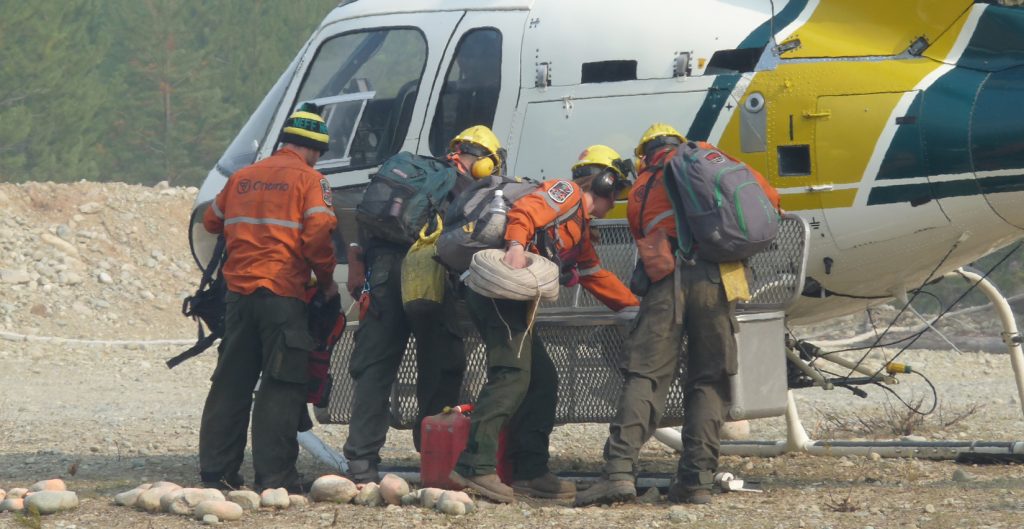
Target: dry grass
892,420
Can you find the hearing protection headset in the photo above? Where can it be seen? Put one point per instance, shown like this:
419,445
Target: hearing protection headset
487,162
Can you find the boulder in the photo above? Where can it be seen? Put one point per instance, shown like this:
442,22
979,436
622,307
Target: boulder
429,497
454,508
274,498
129,497
392,488
334,489
735,430
149,500
16,493
369,496
459,496
225,511
183,501
52,501
12,505
247,499
297,500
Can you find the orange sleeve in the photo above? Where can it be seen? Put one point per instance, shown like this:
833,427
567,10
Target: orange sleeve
318,222
213,218
536,210
603,284
773,195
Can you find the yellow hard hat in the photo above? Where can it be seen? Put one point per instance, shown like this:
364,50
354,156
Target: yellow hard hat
655,131
613,172
479,140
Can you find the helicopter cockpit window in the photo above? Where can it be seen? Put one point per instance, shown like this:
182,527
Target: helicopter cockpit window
470,92
366,83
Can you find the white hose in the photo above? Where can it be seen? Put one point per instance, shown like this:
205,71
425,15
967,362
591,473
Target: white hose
16,337
489,276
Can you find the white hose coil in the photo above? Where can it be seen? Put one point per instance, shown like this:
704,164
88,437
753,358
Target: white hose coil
489,276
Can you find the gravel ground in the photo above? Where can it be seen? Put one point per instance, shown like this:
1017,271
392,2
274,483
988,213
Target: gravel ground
106,418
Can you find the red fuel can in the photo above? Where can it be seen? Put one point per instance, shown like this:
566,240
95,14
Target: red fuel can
443,437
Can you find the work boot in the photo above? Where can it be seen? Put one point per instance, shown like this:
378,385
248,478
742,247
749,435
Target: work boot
363,471
697,496
605,492
547,486
487,485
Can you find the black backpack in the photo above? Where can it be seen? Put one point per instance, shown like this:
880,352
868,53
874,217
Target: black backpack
403,196
206,306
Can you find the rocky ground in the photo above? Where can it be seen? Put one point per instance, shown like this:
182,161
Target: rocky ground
111,263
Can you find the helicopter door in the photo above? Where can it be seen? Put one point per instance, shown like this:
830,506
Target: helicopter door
372,76
481,79
855,148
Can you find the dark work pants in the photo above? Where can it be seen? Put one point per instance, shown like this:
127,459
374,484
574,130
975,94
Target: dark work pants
653,349
380,343
264,333
521,390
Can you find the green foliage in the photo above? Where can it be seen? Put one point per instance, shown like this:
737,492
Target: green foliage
137,90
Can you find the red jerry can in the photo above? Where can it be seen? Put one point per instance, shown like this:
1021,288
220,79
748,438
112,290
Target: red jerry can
443,437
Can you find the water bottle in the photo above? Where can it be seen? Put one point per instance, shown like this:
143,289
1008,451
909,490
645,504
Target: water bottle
490,230
396,207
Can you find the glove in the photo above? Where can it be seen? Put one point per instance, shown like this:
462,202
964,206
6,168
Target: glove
356,271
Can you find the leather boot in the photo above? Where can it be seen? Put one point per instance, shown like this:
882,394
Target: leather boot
363,471
487,485
696,496
606,492
547,486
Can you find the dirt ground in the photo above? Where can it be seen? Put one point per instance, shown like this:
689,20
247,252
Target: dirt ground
107,417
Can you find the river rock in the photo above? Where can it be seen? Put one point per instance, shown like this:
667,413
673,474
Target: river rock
247,499
962,476
149,500
48,484
12,505
297,500
224,510
735,430
183,501
392,488
454,508
430,496
334,489
90,208
52,501
274,498
410,499
14,277
129,497
3,494
459,496
210,519
104,278
58,243
369,496
16,493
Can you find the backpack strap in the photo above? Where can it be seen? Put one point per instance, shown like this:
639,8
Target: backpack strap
659,171
203,340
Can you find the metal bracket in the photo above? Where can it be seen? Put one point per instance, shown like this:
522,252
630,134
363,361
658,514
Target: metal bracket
1012,339
567,106
682,66
543,78
787,46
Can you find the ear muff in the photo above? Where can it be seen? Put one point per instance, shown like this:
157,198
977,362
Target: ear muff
604,185
483,167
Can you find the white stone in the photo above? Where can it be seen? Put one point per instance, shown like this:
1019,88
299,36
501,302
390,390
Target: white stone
90,208
392,488
247,499
454,508
211,519
297,501
369,496
129,497
223,510
14,277
735,430
48,484
17,492
64,232
430,496
149,500
459,496
875,456
51,501
182,501
3,493
410,499
334,489
59,244
104,278
929,508
163,184
274,498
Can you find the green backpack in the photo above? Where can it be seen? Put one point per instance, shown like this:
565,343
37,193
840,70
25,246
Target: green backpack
404,195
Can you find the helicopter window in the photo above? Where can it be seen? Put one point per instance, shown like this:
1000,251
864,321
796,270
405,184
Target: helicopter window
734,61
608,71
367,83
794,160
470,92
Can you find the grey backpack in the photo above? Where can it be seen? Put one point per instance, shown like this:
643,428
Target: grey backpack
722,213
460,238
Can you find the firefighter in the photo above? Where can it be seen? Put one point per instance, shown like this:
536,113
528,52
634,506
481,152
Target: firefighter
277,220
380,341
522,384
653,348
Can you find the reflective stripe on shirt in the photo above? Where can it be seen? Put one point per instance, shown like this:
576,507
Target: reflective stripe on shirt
318,209
254,220
216,210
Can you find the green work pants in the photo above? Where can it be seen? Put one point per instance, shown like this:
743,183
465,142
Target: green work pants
380,343
264,333
653,349
521,391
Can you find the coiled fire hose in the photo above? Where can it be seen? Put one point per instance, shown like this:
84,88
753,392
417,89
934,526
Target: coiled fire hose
489,276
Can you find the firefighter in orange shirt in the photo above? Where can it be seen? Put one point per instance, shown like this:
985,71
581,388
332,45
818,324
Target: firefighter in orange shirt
277,218
522,384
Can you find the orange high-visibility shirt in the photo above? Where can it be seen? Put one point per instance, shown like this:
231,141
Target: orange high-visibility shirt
562,201
277,218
